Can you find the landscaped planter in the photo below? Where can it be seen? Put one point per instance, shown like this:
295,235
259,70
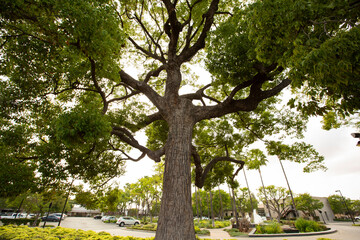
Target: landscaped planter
328,231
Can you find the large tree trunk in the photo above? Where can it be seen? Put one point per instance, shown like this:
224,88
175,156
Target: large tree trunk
176,214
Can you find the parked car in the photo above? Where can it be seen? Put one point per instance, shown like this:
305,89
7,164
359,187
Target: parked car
59,215
109,218
98,217
357,218
122,221
50,218
12,216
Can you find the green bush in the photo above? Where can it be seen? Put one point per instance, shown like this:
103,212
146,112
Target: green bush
201,231
304,225
234,232
27,233
19,221
153,226
208,224
271,228
146,227
110,221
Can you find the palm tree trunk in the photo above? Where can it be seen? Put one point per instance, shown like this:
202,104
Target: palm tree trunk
266,199
251,201
291,194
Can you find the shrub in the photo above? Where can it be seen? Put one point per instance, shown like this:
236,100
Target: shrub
19,221
26,233
147,227
201,231
271,228
304,225
110,221
208,224
234,232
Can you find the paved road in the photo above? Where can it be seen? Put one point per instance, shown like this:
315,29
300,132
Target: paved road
344,230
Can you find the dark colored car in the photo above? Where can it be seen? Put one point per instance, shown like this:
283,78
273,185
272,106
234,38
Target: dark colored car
50,218
97,217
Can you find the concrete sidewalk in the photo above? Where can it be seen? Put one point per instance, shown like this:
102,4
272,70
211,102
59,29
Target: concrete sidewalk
218,234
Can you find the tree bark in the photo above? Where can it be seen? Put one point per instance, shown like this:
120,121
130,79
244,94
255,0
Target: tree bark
176,214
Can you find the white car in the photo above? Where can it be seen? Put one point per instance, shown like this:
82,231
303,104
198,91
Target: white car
122,221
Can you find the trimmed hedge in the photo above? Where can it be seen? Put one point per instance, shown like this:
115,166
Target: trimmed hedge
24,232
208,224
153,227
19,221
27,233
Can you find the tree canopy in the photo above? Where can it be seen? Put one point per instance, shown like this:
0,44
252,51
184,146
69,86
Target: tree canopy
68,79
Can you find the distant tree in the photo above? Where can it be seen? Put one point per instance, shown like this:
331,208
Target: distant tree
244,201
338,205
307,204
87,199
277,198
355,207
150,191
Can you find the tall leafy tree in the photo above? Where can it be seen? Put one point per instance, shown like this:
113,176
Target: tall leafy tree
246,203
307,204
75,57
277,199
338,204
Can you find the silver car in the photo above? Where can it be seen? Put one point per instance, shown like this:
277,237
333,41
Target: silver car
122,221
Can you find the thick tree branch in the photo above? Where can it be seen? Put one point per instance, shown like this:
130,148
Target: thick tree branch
126,136
154,73
199,95
144,88
172,28
201,174
146,52
97,86
152,40
230,105
190,52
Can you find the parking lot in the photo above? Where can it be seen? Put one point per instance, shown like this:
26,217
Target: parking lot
86,223
344,230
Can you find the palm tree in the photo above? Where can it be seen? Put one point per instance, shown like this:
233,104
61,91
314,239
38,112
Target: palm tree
291,194
257,158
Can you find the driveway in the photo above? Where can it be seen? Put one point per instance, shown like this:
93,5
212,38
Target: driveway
96,225
344,230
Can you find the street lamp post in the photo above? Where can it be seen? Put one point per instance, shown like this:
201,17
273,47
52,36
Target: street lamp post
352,218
